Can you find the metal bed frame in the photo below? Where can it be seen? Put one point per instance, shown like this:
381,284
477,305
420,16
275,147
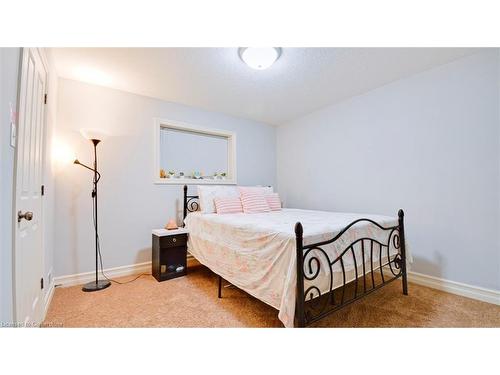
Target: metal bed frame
312,304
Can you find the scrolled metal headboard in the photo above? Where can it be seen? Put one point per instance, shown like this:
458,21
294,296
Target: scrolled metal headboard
191,204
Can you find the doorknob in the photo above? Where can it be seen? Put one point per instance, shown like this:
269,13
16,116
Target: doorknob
28,215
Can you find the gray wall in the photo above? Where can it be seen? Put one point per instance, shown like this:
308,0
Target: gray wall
9,69
428,144
130,205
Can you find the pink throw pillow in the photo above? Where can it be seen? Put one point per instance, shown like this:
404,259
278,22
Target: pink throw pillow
228,205
273,201
254,203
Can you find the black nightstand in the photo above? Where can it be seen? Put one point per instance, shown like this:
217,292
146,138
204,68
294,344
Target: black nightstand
169,259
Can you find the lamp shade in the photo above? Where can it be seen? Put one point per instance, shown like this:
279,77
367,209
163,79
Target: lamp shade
92,134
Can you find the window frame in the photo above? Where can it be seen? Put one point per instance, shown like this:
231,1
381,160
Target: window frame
160,123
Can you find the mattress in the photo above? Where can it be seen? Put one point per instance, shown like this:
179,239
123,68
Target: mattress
257,252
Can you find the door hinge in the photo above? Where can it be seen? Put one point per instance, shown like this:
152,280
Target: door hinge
45,99
42,190
41,283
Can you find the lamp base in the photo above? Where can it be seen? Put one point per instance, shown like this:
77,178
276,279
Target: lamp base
93,287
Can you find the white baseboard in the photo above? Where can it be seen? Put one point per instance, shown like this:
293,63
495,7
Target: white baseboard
474,292
130,270
85,277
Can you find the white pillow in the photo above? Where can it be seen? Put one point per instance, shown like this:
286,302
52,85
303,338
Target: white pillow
264,190
207,193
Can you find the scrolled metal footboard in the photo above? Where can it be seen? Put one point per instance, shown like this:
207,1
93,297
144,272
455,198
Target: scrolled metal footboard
318,270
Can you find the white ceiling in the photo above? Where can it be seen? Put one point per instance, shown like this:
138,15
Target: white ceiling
215,79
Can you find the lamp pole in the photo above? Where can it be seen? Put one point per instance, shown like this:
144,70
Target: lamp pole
97,284
95,142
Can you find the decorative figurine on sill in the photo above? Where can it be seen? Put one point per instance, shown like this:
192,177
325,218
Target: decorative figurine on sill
181,174
171,225
163,174
216,175
196,175
171,174
223,175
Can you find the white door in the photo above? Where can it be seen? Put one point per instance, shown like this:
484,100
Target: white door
28,254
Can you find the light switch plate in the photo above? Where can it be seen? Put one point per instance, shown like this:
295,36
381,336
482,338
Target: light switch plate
13,134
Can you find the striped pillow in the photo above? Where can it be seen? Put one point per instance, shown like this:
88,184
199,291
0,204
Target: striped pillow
228,205
208,193
273,201
254,203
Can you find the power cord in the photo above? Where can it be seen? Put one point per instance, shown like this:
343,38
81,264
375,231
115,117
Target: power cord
99,251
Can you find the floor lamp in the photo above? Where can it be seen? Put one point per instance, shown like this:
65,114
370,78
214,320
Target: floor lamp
95,137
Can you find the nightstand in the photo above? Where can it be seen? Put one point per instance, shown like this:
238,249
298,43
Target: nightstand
169,258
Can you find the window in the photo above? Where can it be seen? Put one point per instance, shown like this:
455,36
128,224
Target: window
188,154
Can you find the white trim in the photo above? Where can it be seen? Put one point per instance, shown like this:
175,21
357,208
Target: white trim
49,292
48,299
192,181
474,292
173,124
130,270
85,277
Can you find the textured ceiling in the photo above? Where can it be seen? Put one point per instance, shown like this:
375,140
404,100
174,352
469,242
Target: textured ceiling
215,79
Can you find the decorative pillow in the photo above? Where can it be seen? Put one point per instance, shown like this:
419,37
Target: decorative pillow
208,193
228,205
273,201
264,190
254,203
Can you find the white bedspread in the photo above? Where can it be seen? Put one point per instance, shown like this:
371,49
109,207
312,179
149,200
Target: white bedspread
257,252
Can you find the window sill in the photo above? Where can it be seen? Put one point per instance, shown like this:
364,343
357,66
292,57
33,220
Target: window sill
191,181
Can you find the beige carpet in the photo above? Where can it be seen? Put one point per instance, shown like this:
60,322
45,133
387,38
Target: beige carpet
191,301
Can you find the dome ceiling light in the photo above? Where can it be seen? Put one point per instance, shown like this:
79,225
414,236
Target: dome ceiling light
259,58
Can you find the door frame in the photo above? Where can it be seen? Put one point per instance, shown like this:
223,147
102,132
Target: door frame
22,61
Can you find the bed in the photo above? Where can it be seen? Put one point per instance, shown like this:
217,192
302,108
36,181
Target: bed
306,264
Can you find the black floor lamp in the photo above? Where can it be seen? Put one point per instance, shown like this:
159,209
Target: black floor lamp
96,285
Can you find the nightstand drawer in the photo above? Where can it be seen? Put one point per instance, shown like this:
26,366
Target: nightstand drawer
172,241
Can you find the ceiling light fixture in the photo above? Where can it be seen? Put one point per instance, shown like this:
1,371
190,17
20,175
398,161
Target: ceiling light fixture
259,57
